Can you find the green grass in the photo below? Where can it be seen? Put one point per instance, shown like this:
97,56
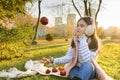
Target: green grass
109,59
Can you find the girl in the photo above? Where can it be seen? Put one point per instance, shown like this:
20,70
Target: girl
82,53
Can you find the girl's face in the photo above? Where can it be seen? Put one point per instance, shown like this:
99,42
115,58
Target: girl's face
81,27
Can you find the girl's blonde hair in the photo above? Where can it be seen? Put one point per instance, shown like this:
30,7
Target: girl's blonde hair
95,42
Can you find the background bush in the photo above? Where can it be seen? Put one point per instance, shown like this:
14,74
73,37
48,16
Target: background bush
13,40
19,33
49,37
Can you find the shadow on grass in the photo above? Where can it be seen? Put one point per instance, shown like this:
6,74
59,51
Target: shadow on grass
53,46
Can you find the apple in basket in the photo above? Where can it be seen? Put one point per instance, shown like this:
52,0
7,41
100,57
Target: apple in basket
47,71
54,69
60,68
63,73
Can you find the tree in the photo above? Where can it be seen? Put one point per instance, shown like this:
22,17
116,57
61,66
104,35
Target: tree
89,6
12,8
37,24
9,9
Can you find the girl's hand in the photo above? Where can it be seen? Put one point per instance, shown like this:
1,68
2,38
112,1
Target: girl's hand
41,61
44,60
47,60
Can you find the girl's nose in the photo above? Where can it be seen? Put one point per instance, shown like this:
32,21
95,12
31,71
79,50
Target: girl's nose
78,28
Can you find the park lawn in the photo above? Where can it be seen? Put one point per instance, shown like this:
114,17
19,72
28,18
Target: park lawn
109,59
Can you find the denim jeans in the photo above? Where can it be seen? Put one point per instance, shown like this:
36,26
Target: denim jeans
84,72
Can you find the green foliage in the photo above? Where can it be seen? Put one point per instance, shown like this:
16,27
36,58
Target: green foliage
10,8
11,50
109,59
17,36
19,33
49,37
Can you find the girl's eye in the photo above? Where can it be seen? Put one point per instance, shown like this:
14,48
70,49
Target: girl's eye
80,25
77,25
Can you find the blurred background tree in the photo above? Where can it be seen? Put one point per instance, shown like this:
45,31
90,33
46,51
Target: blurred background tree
12,8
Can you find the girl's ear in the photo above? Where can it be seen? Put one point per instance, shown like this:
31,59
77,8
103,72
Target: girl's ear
89,30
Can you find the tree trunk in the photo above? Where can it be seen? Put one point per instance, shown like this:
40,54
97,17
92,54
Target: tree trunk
37,24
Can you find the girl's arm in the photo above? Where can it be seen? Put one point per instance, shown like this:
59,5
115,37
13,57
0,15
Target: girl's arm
65,59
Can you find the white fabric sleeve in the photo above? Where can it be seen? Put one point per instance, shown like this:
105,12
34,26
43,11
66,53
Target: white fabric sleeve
65,59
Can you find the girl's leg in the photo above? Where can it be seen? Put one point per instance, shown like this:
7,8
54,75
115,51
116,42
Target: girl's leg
74,72
85,71
93,75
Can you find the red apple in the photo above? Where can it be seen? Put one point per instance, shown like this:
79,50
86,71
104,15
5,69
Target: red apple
63,73
61,68
44,20
48,71
54,69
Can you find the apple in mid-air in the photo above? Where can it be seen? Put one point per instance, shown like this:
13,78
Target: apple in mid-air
44,20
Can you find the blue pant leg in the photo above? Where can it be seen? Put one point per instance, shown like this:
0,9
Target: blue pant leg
93,75
85,71
74,72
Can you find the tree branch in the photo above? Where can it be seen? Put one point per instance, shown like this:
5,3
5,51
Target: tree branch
89,9
76,8
99,6
86,10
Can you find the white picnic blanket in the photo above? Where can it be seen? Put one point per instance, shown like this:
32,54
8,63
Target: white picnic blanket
32,68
